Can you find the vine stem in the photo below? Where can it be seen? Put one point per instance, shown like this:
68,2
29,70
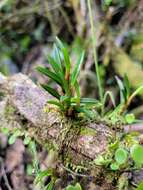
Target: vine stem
94,50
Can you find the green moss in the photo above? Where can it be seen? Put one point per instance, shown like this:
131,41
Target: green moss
9,110
51,146
87,131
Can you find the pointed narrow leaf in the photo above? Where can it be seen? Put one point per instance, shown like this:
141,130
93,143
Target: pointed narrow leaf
65,54
56,67
41,175
59,71
49,186
111,96
50,74
127,86
66,88
77,69
56,54
136,92
56,103
120,83
74,100
87,112
122,88
52,91
77,89
59,68
90,101
57,57
64,99
59,43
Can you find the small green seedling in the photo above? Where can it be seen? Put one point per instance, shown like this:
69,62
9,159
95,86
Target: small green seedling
125,92
67,97
136,152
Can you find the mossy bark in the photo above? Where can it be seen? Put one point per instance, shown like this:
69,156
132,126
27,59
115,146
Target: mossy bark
77,142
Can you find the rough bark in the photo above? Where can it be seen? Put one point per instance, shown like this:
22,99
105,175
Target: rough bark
30,101
23,106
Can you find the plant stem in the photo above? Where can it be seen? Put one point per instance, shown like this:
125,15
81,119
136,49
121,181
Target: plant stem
94,51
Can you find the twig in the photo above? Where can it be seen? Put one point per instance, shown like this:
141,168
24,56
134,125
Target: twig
138,127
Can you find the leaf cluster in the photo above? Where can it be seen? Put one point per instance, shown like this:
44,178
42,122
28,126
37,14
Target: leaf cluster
67,96
122,157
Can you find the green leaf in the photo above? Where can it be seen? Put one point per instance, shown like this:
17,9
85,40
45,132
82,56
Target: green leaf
114,166
57,58
59,43
50,74
111,96
137,154
12,139
120,83
65,100
29,169
77,89
90,101
65,54
5,130
108,2
101,161
14,136
130,118
122,88
76,187
114,145
56,103
27,140
42,175
76,70
136,92
17,133
49,186
127,86
90,114
140,186
52,91
121,156
56,67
